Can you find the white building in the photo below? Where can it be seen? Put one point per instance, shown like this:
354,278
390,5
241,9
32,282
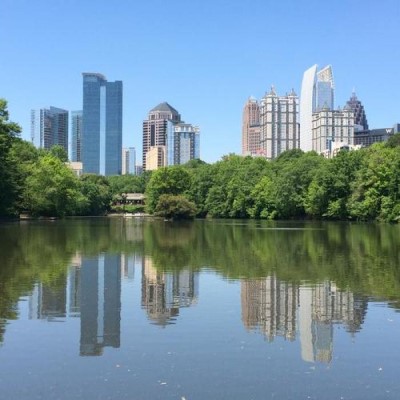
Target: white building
331,127
279,127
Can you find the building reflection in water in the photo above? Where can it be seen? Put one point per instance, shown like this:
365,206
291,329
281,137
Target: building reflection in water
164,293
279,308
92,291
100,303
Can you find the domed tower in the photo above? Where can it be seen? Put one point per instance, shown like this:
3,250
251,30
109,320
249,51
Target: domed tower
360,117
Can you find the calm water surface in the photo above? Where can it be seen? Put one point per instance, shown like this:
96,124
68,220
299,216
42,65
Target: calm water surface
114,308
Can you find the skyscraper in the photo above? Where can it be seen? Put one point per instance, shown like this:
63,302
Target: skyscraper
251,143
317,92
360,118
279,127
183,144
129,161
325,89
160,121
76,136
101,125
49,127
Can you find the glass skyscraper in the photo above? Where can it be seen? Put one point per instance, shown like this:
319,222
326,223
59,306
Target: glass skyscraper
183,143
101,125
49,127
317,92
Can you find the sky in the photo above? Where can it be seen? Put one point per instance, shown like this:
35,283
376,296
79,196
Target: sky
205,58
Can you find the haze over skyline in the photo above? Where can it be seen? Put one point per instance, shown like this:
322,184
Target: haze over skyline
204,58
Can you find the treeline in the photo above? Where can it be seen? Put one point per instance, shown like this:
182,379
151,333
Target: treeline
357,185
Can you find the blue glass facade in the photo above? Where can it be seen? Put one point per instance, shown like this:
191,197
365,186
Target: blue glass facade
49,127
183,143
324,96
132,161
101,125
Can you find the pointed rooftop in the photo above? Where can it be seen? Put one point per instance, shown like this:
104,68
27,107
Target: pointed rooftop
165,107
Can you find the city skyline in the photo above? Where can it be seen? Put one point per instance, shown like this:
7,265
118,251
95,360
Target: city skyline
218,70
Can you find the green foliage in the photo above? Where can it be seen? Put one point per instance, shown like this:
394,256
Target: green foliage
97,191
393,141
128,208
9,187
53,190
128,183
233,179
175,207
59,152
329,191
376,189
195,163
173,180
201,181
282,194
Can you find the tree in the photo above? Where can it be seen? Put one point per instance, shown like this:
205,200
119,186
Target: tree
53,190
376,188
173,180
175,207
9,131
201,180
129,183
393,141
330,190
96,189
59,152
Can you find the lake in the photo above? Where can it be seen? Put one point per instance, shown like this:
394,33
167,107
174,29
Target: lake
114,308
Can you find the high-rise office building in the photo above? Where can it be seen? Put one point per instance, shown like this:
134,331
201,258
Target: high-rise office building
317,92
360,118
76,136
161,120
279,127
129,161
325,89
332,126
183,144
101,125
251,143
49,127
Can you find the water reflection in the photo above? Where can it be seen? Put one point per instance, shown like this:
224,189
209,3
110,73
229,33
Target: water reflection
278,308
163,293
295,283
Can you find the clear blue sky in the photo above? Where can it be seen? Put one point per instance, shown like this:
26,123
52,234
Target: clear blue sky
204,57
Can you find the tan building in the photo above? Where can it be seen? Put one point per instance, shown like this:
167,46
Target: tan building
155,158
76,166
270,305
279,121
251,144
330,127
